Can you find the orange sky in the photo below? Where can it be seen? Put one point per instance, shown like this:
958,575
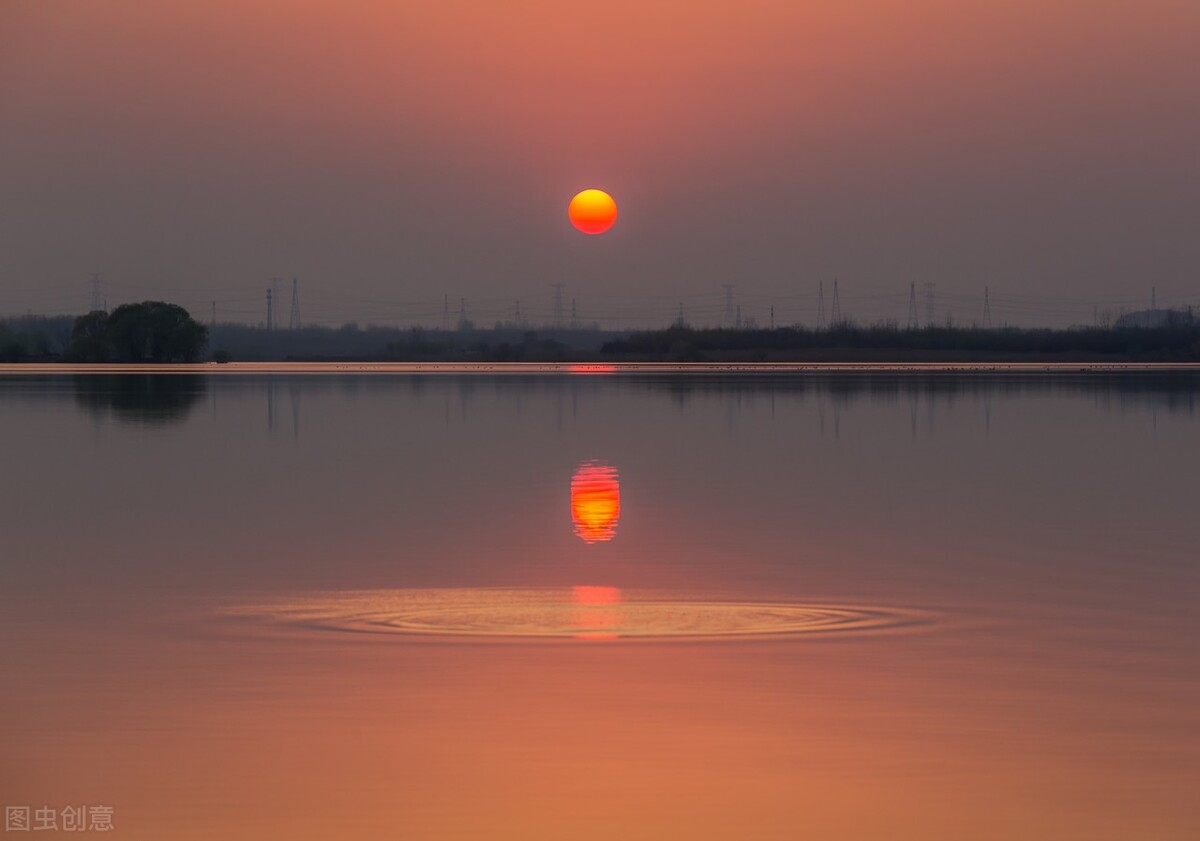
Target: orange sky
415,150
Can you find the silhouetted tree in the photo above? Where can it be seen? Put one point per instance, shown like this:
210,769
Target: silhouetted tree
89,338
152,331
11,349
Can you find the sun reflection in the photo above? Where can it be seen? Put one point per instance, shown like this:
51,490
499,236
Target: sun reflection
595,502
597,614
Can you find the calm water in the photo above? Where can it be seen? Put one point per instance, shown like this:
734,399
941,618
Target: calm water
597,607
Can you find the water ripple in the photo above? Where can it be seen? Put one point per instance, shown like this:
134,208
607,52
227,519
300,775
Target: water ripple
592,613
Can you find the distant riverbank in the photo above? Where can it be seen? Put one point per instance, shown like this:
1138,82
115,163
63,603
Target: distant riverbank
34,340
601,369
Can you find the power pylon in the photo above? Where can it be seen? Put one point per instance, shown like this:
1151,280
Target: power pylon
728,304
558,304
912,306
836,310
821,304
270,309
987,309
294,316
930,304
98,302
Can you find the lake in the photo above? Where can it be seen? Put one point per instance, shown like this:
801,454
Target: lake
458,603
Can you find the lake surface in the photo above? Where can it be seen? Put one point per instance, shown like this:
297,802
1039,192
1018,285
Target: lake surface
756,605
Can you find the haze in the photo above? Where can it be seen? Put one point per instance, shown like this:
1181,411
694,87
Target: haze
400,153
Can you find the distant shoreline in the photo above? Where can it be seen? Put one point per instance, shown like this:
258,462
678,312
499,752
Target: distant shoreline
605,368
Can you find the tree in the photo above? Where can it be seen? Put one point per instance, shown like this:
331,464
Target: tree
152,331
89,338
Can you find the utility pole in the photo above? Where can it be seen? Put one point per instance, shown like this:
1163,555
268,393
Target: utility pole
821,304
294,317
836,312
462,313
772,316
270,309
728,304
930,304
912,306
517,314
987,309
574,316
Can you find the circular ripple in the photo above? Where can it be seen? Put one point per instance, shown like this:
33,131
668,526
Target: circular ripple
557,614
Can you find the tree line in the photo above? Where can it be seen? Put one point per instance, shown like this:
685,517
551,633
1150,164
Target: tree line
1178,341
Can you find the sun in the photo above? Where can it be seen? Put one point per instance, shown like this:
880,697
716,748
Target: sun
592,211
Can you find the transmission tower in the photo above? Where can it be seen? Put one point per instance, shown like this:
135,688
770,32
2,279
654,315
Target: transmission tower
558,304
821,304
462,313
930,304
294,316
987,308
270,309
728,304
836,309
772,316
574,316
912,306
97,293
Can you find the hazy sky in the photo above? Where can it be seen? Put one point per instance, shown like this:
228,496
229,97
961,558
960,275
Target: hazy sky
390,153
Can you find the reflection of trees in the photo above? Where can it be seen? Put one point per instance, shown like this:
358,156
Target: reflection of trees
140,398
1173,392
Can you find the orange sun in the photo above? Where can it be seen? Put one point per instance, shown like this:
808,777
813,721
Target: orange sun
592,211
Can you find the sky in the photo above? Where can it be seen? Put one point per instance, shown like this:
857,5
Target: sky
396,156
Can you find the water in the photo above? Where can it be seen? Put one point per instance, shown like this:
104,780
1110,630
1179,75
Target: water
438,605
